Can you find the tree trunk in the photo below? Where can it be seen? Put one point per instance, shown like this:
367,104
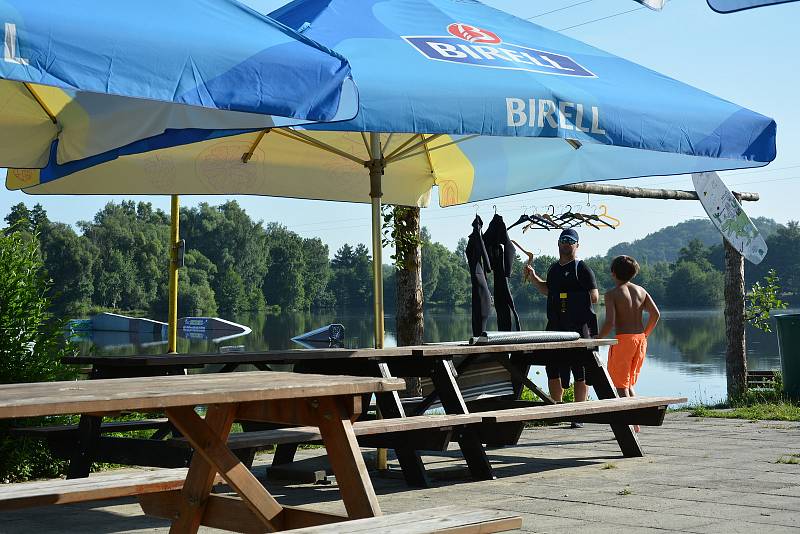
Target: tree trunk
735,355
410,324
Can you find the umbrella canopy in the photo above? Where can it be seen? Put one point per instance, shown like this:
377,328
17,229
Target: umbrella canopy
98,75
466,97
731,6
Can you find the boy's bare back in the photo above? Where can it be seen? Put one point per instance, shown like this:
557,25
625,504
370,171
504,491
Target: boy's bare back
629,302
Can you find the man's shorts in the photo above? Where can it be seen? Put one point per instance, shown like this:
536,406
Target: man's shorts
625,359
562,372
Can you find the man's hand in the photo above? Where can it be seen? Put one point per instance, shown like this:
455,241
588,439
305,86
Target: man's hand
529,273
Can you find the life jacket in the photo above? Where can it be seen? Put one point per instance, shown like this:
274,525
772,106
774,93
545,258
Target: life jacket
569,310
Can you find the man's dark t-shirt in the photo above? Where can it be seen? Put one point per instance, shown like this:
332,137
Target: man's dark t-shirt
569,306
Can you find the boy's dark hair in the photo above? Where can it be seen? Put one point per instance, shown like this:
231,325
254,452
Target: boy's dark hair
624,268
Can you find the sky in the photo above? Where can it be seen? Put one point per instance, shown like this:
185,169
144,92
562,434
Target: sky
751,58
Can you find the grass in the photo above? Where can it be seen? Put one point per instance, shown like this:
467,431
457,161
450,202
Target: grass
754,405
625,491
609,466
791,458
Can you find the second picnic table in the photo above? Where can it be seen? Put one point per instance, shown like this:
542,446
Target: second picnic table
435,361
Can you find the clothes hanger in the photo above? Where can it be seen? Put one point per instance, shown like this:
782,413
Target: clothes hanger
607,216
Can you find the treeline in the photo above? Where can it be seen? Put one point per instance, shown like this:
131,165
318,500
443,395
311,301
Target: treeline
120,259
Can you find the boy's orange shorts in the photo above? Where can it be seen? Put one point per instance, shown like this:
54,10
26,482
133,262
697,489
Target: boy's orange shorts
625,359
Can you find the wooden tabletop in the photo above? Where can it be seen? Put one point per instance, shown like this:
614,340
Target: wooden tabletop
289,356
96,396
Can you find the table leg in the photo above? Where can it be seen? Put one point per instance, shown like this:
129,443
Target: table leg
88,439
444,381
212,456
410,461
346,460
604,389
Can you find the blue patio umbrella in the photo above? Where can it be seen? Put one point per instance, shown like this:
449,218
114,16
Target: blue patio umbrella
78,79
457,95
70,72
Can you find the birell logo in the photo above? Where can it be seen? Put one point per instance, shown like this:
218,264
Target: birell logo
479,47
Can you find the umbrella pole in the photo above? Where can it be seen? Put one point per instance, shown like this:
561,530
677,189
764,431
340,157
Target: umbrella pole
375,173
172,327
376,165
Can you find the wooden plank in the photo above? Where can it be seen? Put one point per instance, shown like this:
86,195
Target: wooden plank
576,409
109,485
449,519
200,478
231,513
209,442
306,411
297,355
346,461
109,426
435,350
160,392
239,358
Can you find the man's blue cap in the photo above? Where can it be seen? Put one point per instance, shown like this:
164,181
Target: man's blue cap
569,233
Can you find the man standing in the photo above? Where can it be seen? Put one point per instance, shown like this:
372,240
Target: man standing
571,291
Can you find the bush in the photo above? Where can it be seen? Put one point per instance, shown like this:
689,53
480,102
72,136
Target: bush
31,346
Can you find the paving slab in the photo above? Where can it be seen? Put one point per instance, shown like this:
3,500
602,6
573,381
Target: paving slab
700,476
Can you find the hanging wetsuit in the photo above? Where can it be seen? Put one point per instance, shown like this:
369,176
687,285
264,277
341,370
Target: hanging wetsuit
569,308
501,257
479,265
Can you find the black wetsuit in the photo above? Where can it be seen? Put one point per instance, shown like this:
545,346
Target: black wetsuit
479,265
569,308
501,256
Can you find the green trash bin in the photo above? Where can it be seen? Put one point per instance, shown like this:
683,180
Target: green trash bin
789,348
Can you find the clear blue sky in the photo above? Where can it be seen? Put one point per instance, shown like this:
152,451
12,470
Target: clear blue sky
751,58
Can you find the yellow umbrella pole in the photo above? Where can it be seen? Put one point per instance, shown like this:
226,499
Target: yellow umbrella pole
375,172
172,327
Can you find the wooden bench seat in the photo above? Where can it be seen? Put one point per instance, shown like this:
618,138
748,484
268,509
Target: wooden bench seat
109,485
59,431
449,519
388,428
628,410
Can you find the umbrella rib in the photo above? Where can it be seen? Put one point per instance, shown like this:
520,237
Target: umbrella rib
429,150
249,154
40,102
297,136
366,143
404,153
402,146
428,156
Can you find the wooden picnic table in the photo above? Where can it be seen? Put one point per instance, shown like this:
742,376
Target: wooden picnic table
434,361
330,403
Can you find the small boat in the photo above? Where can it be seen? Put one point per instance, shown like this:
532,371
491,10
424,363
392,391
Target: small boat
115,330
325,337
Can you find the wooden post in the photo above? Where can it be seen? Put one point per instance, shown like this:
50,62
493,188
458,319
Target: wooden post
736,352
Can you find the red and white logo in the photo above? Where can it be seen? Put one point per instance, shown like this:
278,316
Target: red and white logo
473,34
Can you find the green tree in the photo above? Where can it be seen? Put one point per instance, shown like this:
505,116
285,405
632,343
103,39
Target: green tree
231,296
316,273
69,261
31,347
196,297
690,285
283,284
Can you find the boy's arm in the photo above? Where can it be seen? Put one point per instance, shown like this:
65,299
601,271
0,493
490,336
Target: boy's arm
608,324
652,312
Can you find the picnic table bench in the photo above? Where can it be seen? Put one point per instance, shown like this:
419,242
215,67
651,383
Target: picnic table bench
442,364
329,403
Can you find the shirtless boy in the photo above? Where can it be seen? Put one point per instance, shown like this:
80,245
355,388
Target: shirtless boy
625,305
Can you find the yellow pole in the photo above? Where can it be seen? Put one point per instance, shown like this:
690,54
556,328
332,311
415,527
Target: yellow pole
375,174
173,277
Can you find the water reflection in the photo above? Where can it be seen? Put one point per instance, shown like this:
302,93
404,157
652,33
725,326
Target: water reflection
686,353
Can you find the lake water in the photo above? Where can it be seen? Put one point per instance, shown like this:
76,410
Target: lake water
685,356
